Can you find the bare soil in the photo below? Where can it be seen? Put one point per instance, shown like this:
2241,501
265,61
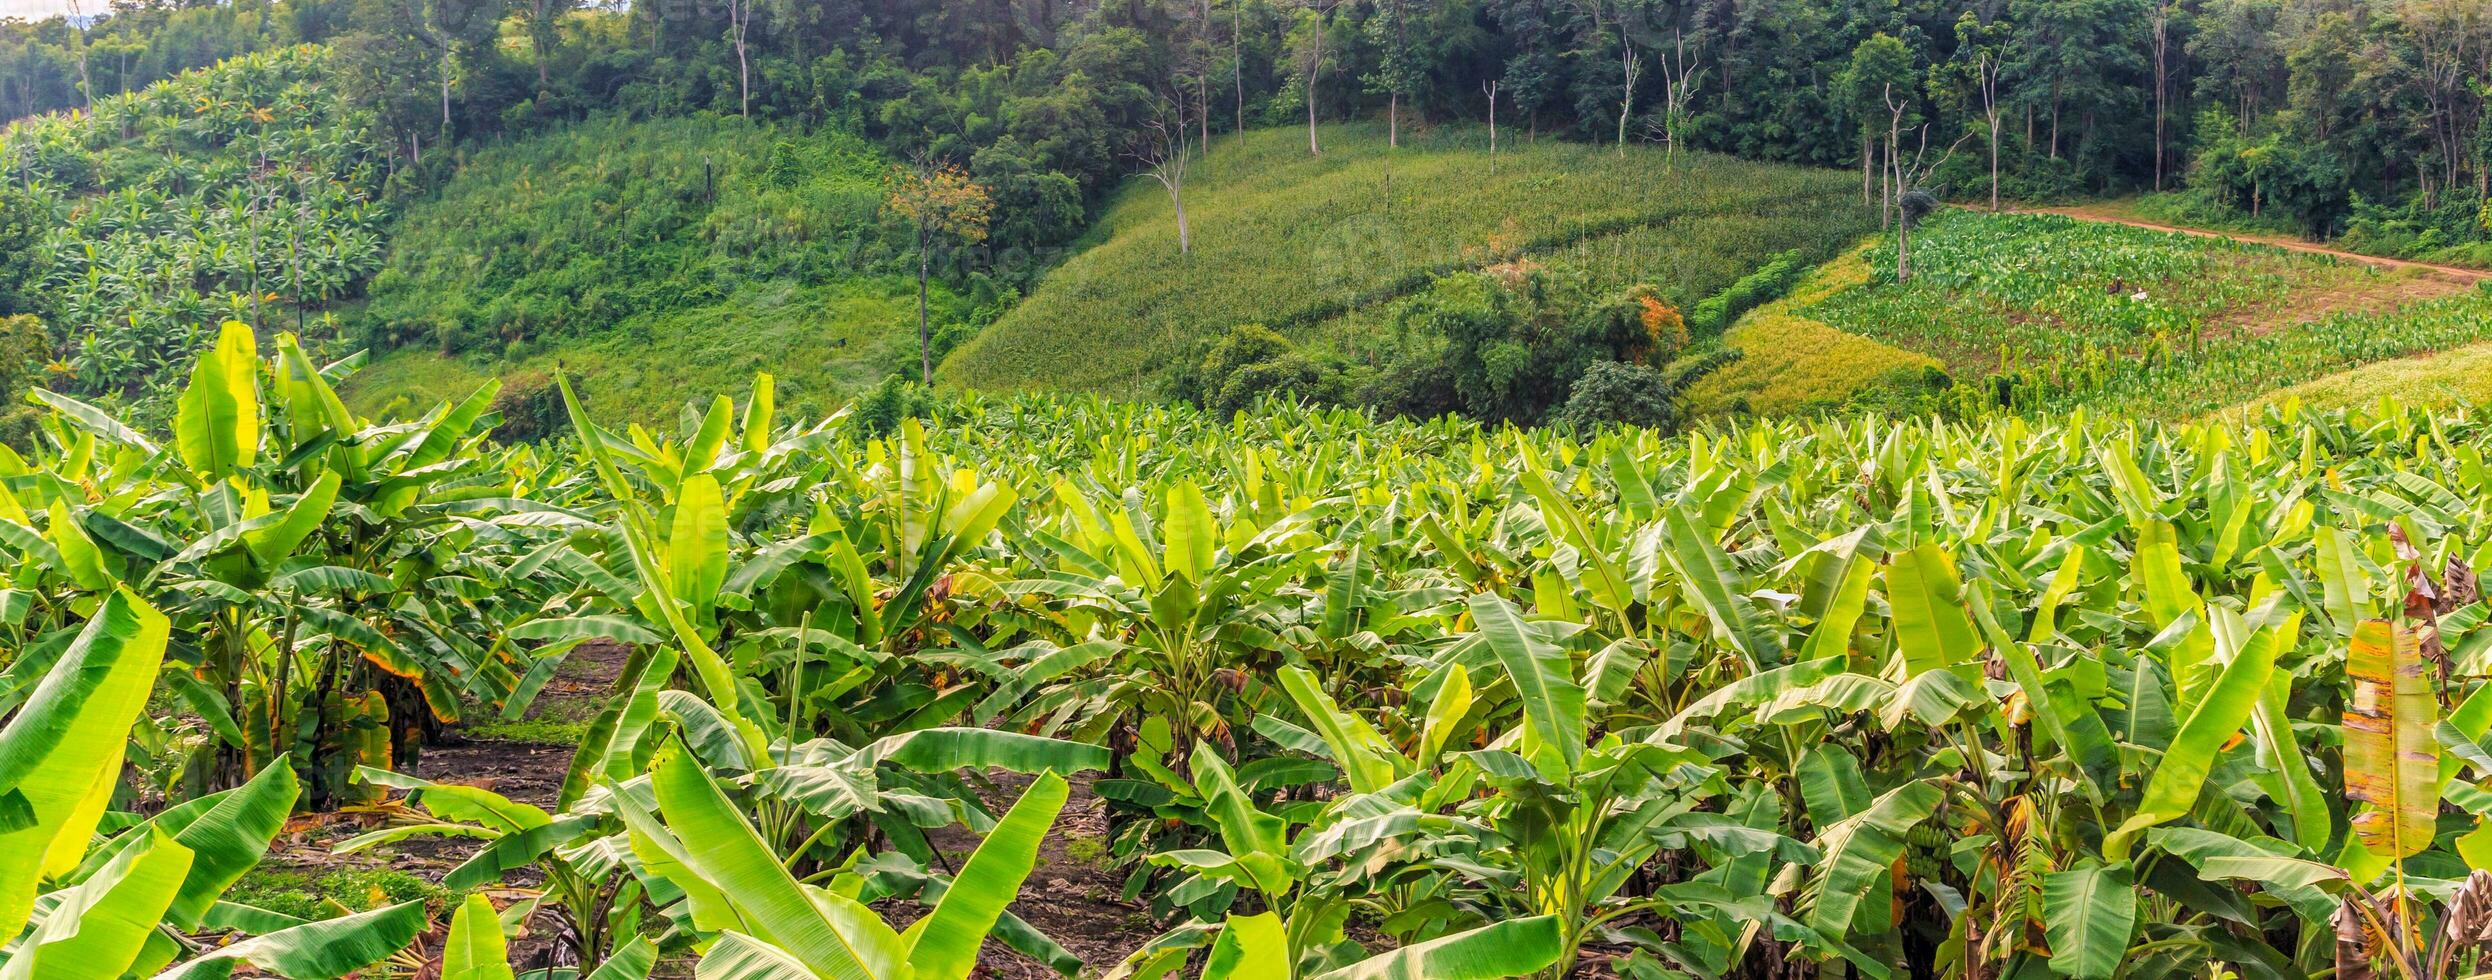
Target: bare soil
1072,896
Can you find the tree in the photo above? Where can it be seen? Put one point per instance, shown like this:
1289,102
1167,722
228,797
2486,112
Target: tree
739,24
1307,42
1164,155
1981,48
1398,66
545,35
1878,66
2160,20
941,206
1490,87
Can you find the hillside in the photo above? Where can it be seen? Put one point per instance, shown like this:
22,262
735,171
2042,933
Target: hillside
2053,313
245,190
1305,244
659,261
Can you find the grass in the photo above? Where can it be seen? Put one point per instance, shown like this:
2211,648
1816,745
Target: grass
305,895
658,262
1305,244
823,343
1791,364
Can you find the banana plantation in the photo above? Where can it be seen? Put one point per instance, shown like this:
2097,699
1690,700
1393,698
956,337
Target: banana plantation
1355,698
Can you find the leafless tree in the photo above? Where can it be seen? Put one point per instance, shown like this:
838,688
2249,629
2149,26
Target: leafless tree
1986,67
1632,65
1910,202
1490,86
1682,73
739,19
1164,155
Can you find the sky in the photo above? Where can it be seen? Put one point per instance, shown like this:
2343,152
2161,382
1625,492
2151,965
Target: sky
38,9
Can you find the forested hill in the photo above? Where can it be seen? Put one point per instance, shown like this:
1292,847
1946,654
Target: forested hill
1000,131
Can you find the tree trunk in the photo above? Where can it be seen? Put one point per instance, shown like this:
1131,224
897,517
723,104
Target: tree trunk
1393,120
1315,68
1492,129
742,11
925,338
1185,237
1994,160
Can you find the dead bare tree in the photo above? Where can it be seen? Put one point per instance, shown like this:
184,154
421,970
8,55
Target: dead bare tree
1633,65
739,18
1682,73
1164,155
1911,202
1490,86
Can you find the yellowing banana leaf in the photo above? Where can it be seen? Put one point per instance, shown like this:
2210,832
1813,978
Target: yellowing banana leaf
61,754
98,928
475,949
2392,760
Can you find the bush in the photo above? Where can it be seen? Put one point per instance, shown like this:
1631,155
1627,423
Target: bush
880,412
531,407
1611,392
1769,283
1248,363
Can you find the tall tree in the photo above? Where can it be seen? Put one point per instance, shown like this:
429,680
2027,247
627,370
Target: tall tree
1307,40
1981,54
942,208
1879,66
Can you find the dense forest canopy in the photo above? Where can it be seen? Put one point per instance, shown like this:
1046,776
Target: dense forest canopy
2304,106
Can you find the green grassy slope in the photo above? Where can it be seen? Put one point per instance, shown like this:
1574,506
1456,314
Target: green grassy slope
1304,244
658,261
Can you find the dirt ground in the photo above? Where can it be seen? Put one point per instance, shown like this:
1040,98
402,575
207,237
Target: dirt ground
1071,896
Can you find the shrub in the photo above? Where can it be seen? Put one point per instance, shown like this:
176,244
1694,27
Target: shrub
531,407
1248,363
1767,284
880,412
1611,392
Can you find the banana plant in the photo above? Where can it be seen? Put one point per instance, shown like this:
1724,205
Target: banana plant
752,917
126,905
345,583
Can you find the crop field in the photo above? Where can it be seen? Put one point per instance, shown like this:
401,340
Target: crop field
1292,241
1353,698
2072,314
244,190
2462,376
1791,364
